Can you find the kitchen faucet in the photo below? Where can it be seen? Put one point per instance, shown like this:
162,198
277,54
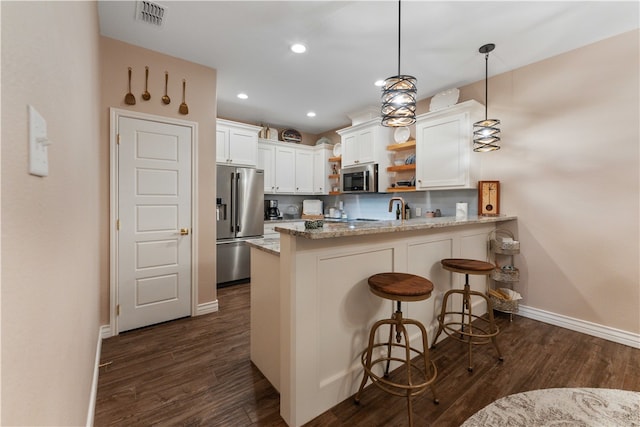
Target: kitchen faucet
402,204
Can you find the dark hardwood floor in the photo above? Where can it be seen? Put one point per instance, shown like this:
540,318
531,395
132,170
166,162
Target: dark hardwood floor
197,372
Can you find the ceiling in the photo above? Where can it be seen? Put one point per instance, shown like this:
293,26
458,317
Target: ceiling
351,44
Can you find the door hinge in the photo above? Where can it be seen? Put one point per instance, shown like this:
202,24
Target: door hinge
118,142
117,224
118,310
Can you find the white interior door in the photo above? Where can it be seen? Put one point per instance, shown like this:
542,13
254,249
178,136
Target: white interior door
154,217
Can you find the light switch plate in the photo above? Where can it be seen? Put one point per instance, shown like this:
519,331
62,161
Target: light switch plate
38,142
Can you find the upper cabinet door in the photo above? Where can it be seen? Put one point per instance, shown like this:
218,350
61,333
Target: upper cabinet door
364,143
285,170
236,143
350,150
267,162
243,147
304,171
222,144
444,148
321,170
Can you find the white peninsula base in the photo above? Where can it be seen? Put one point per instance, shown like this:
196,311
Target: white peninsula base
311,308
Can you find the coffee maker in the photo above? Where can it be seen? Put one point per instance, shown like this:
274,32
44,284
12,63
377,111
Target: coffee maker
271,210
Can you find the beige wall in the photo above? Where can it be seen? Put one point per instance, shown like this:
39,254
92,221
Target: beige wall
51,229
116,57
569,168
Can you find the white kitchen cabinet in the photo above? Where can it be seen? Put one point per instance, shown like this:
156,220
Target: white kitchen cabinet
293,168
277,160
444,148
365,143
236,143
322,169
267,162
304,170
285,167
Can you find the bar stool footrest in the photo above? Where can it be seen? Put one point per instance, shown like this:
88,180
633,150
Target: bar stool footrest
400,389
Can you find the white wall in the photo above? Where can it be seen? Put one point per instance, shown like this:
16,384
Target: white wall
50,229
570,169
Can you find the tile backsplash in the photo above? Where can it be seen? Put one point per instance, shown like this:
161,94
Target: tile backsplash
376,206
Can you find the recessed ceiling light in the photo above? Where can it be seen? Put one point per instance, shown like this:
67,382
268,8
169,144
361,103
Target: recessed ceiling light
243,96
298,48
379,83
311,114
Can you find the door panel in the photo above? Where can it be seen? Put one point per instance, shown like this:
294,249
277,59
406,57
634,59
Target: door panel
157,289
154,204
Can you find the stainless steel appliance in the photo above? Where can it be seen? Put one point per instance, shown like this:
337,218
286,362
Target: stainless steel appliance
239,217
271,210
359,179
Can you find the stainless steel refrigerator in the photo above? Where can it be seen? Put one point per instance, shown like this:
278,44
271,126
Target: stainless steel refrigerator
239,217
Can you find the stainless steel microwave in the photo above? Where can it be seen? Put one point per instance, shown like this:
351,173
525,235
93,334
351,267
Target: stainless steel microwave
359,179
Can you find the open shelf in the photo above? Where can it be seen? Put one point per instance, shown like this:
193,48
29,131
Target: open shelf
335,159
334,193
400,189
402,168
402,146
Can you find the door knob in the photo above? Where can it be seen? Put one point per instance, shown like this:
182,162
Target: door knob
184,231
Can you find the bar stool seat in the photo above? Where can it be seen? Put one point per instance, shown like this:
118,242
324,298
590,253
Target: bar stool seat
484,330
417,376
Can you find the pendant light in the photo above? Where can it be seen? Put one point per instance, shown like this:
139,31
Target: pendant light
399,96
486,134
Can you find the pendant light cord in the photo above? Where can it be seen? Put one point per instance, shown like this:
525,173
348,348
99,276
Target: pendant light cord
486,85
399,37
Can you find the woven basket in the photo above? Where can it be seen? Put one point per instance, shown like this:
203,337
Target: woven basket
500,275
505,248
507,306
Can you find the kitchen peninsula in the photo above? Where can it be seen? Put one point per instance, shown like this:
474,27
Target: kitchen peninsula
311,308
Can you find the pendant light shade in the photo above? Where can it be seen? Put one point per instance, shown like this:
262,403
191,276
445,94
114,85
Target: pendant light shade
399,95
486,133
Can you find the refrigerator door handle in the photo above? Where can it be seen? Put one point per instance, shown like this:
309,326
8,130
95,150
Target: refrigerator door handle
238,202
234,201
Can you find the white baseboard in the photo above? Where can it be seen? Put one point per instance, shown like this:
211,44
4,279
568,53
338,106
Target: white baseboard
206,308
105,331
611,334
94,383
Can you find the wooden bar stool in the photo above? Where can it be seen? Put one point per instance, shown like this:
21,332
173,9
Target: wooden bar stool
399,287
485,330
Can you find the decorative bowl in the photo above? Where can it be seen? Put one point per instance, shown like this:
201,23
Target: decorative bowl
313,224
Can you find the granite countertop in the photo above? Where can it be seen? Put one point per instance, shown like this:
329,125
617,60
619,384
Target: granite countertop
360,227
366,227
269,245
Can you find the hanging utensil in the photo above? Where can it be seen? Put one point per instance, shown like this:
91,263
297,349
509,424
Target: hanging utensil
129,99
146,95
166,98
184,109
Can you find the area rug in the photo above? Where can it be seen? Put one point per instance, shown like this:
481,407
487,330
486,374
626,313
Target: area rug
567,407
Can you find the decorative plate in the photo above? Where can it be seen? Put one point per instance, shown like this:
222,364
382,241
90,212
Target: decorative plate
444,99
401,134
291,135
410,159
337,150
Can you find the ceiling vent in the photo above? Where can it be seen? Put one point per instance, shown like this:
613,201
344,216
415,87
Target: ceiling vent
151,12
